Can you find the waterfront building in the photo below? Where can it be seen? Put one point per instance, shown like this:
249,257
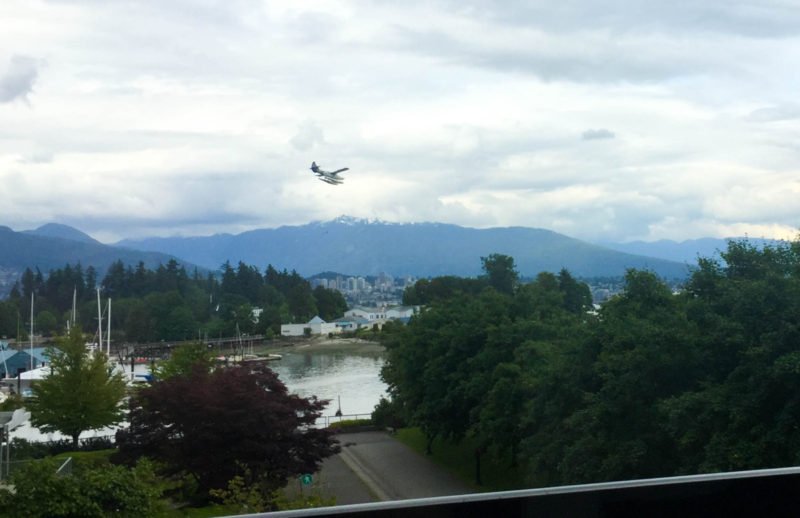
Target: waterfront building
19,360
315,326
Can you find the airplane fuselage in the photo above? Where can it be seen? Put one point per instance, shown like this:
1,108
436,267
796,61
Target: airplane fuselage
331,177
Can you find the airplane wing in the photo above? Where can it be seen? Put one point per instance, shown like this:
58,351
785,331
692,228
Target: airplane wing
328,177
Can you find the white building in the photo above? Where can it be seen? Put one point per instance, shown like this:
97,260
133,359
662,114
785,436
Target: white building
366,313
353,323
396,312
315,326
382,313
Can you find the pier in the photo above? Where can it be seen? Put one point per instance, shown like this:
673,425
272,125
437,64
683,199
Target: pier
159,350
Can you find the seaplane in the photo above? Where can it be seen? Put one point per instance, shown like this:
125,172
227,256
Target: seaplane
331,177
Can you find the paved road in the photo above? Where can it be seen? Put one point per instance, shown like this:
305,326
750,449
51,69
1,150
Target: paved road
373,466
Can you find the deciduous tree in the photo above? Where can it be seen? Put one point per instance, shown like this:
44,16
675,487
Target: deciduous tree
183,360
79,394
217,425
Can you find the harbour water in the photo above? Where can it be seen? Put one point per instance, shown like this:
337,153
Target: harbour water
350,377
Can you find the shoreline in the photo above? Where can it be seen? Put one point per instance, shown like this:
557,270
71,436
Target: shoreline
325,344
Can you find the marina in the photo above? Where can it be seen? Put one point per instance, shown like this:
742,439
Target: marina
349,380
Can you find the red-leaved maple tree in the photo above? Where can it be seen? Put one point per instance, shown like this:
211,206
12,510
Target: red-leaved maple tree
228,422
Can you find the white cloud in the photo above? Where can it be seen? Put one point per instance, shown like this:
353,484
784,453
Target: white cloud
200,117
308,135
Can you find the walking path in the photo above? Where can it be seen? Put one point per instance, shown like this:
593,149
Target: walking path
373,466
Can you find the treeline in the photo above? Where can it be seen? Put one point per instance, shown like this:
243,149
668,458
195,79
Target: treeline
655,383
166,303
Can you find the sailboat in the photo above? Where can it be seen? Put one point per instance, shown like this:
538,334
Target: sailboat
250,356
98,346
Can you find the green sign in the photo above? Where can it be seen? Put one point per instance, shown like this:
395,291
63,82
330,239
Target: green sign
306,479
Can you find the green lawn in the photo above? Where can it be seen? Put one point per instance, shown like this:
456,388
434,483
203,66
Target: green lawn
459,458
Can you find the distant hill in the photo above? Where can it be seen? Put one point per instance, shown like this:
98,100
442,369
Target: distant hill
53,246
63,232
684,251
361,247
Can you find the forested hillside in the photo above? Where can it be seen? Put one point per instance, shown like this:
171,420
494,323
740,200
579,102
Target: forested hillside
360,247
654,384
52,246
167,303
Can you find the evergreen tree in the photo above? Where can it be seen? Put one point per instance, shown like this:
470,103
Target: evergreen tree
500,272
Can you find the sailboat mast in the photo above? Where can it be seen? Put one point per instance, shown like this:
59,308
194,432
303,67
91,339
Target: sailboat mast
71,319
108,334
99,322
31,330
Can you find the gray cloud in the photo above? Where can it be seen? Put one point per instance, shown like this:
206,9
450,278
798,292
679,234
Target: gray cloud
592,55
762,19
471,113
18,80
308,135
597,134
774,113
38,157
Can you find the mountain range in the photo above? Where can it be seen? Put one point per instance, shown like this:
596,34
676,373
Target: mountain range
361,247
356,247
54,246
683,251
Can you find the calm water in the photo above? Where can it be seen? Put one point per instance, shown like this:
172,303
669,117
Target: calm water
352,378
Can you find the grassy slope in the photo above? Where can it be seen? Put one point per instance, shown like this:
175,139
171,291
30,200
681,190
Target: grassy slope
459,458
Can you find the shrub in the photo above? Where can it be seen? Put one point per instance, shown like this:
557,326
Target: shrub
97,492
23,449
387,414
350,423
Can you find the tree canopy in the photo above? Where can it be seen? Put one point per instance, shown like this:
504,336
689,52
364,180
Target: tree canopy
168,303
79,394
656,383
217,425
500,272
184,360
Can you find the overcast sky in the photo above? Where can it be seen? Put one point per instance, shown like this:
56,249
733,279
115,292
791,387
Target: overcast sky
615,120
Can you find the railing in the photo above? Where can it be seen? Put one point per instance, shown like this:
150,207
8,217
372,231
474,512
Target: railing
328,419
769,492
65,468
